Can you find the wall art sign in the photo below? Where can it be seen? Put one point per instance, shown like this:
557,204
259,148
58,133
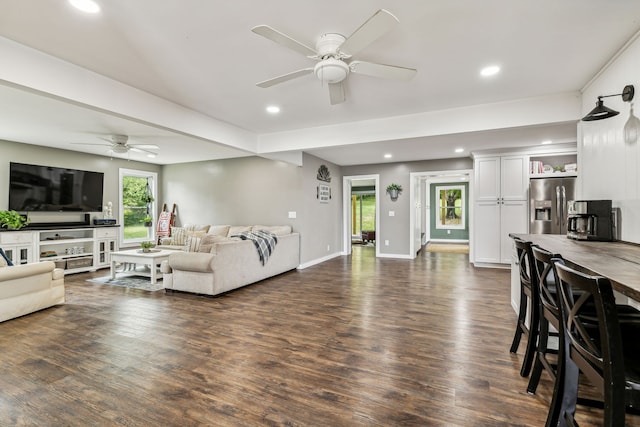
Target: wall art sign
324,193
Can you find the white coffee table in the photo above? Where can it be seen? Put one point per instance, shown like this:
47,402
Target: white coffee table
150,259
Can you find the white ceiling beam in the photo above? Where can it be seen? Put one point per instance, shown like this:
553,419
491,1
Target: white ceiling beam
559,108
33,70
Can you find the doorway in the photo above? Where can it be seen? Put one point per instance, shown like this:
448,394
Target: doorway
423,225
361,222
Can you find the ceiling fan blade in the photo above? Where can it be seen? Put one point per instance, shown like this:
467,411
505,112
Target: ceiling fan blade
137,149
91,143
152,146
380,70
285,77
380,23
336,93
283,39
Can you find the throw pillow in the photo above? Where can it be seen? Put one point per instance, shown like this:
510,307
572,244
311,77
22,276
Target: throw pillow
4,259
192,241
193,244
178,235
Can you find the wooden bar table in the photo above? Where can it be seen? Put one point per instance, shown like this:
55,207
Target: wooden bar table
617,261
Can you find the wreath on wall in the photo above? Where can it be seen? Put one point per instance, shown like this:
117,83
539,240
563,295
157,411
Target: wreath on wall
324,174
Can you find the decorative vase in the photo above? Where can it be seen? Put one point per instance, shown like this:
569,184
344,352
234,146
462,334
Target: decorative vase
393,194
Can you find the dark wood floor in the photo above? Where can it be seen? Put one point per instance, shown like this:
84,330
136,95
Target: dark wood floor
354,341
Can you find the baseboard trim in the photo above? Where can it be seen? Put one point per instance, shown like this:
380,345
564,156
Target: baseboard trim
447,241
398,256
318,260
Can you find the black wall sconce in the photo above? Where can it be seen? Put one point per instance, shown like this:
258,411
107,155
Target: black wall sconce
601,112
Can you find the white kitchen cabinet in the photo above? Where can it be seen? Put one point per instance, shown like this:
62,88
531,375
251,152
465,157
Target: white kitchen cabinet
500,206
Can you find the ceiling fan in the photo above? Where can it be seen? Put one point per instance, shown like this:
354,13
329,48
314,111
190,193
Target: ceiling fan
120,144
334,54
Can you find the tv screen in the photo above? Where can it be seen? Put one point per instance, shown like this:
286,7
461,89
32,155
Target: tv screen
34,188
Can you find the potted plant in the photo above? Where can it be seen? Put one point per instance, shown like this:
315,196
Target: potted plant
394,190
12,220
148,221
146,246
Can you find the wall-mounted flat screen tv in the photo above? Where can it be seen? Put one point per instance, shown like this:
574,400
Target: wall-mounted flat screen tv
34,188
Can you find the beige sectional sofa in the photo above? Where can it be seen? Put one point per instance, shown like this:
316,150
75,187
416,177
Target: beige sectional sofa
223,263
30,287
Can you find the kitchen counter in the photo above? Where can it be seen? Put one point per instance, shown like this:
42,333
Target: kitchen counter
617,261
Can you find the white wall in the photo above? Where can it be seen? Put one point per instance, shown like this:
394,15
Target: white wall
608,167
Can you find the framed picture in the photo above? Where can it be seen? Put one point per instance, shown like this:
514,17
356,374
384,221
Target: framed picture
324,193
450,201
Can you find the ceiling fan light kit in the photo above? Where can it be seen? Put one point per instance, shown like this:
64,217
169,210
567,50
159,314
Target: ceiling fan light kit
331,70
334,52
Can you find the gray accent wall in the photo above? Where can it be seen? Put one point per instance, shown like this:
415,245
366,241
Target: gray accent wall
39,155
396,228
254,190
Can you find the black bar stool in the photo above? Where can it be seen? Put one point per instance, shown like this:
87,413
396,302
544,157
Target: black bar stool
528,299
549,315
607,352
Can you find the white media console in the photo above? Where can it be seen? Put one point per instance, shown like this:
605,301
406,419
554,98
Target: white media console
75,249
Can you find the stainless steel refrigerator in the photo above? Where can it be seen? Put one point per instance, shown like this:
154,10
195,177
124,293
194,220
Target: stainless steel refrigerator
548,199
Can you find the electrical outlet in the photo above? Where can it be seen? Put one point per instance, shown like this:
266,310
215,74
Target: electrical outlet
386,243
292,214
392,213
448,231
328,248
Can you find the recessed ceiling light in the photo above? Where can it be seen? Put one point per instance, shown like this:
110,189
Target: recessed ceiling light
547,142
490,71
459,150
88,6
388,156
273,109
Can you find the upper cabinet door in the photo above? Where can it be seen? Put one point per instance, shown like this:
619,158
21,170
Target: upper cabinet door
515,177
487,179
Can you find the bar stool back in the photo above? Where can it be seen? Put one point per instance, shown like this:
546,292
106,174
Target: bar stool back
608,353
526,325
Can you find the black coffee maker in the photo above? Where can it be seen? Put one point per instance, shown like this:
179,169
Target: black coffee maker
590,220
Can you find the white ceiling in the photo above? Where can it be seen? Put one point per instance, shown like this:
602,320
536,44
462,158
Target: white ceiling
202,58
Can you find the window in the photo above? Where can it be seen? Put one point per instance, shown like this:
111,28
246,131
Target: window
137,199
450,206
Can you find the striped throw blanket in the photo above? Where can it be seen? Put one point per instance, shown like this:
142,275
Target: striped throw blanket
265,242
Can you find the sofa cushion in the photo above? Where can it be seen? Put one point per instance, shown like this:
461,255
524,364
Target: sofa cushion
198,262
219,230
237,229
197,227
278,230
208,240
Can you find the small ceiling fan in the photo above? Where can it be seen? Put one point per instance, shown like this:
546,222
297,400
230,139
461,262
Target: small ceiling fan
120,144
334,54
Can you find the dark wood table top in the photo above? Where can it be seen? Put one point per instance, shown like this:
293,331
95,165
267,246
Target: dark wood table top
617,261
